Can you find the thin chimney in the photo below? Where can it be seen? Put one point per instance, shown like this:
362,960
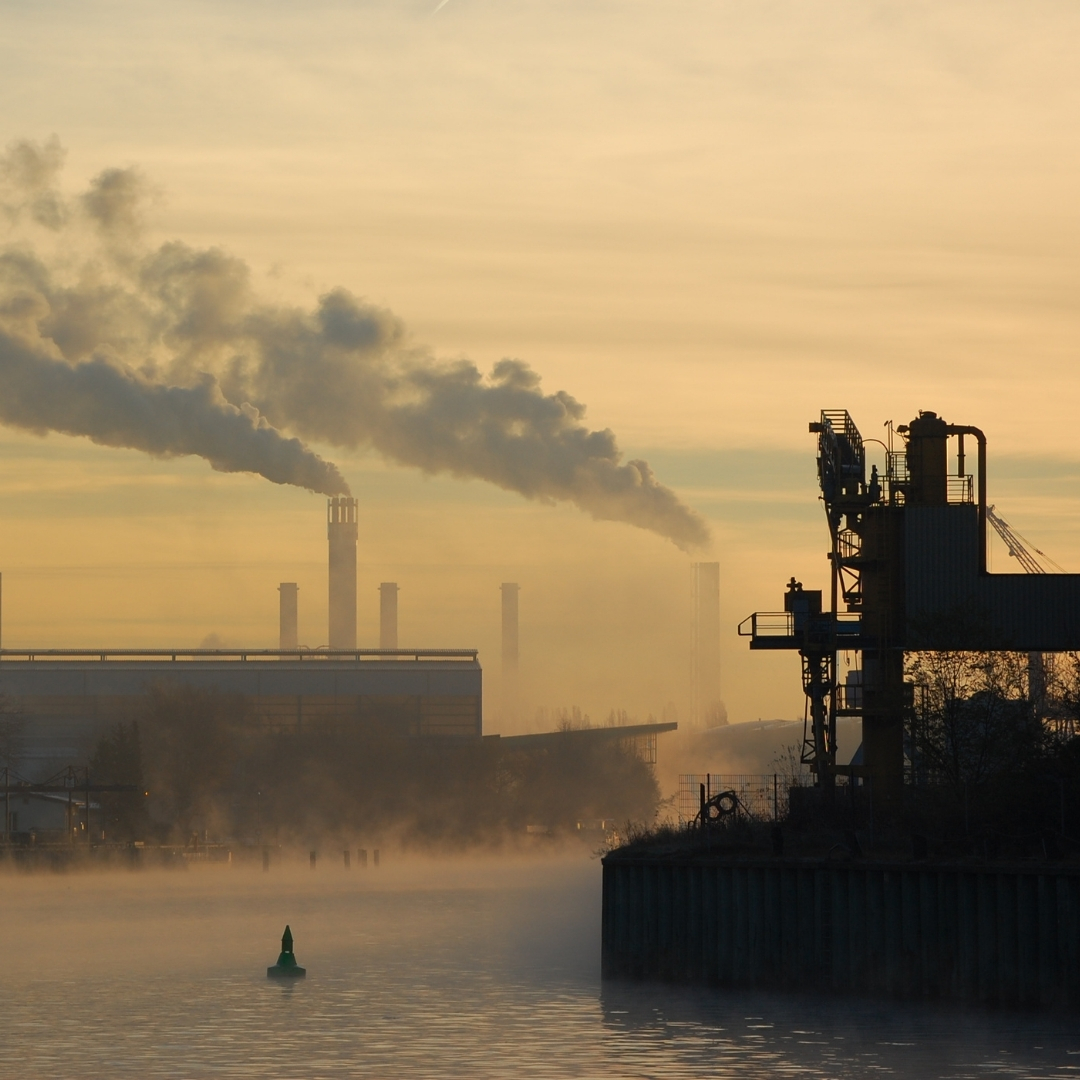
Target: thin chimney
706,708
288,636
510,591
388,637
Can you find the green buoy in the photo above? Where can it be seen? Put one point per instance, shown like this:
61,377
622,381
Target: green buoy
286,966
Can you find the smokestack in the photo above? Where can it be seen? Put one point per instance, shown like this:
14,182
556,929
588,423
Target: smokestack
509,628
510,649
341,531
287,634
706,708
388,591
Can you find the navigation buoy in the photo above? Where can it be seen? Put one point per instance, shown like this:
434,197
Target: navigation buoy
286,966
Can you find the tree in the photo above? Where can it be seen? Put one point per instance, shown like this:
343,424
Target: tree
972,717
11,730
1063,696
190,742
117,759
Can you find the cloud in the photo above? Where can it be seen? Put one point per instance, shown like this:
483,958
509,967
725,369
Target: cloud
28,175
114,201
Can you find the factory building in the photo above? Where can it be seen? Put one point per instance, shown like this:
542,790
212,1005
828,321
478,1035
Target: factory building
55,703
61,700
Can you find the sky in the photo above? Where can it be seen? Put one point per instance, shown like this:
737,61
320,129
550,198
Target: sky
704,221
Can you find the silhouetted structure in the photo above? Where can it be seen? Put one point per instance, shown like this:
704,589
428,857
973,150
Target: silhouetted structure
908,574
908,560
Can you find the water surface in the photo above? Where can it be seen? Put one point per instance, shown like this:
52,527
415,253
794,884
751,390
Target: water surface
424,969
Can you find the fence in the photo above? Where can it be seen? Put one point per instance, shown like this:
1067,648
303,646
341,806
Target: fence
763,797
1017,817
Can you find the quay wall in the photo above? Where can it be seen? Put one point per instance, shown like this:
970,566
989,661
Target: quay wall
986,934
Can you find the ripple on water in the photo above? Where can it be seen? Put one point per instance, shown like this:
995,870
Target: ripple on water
495,978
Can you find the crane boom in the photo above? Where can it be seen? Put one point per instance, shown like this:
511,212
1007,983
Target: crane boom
1018,549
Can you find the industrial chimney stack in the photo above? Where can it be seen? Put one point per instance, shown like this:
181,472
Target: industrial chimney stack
510,591
288,636
342,531
388,591
509,629
706,708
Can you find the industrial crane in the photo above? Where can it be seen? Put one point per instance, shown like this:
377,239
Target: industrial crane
1020,549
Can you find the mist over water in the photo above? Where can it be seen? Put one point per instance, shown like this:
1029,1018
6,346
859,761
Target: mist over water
433,968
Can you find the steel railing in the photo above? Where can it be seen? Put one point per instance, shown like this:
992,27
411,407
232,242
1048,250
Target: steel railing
783,624
180,655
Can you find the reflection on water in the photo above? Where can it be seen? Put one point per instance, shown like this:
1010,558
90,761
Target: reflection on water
478,970
712,1033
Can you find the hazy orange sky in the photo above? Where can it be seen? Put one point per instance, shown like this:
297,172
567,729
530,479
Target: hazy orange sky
704,220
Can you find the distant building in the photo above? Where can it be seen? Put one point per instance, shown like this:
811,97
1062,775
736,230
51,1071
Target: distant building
61,700
47,816
638,739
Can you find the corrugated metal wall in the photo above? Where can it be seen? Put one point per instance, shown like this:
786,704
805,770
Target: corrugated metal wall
62,704
945,592
991,935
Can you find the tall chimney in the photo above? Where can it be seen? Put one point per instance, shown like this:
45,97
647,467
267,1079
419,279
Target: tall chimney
388,591
510,591
705,707
341,530
510,628
287,634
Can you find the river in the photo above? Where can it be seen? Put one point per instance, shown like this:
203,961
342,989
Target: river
423,968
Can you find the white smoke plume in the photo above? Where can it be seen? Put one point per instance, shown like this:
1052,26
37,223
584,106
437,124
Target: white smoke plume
168,349
116,406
